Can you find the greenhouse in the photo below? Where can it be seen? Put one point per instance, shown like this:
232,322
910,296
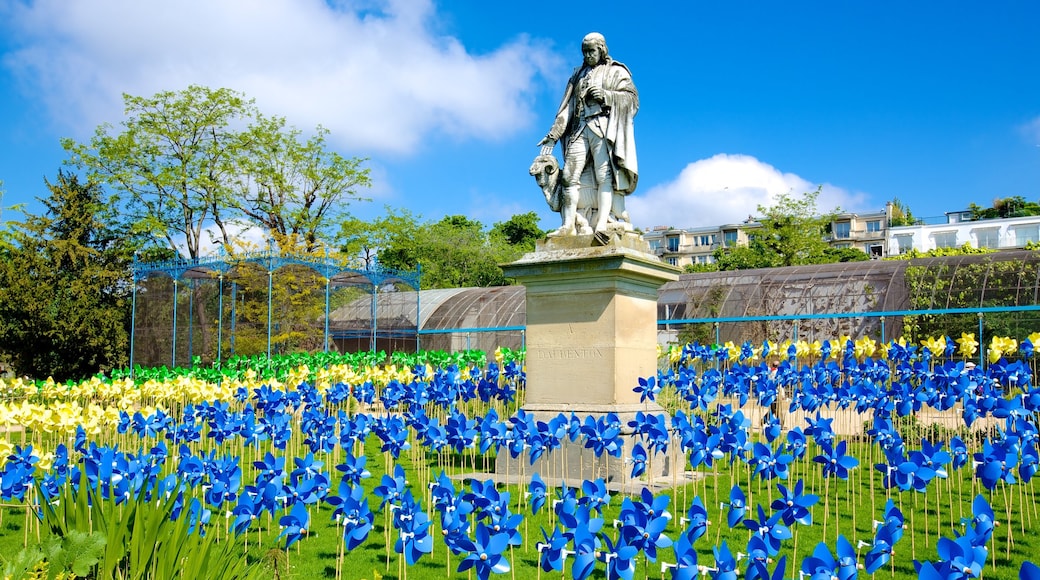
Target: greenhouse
266,303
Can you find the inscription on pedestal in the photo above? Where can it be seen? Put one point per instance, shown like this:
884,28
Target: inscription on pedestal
566,353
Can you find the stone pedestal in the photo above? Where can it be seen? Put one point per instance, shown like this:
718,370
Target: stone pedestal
591,334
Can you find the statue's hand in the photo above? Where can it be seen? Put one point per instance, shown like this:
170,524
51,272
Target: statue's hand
597,94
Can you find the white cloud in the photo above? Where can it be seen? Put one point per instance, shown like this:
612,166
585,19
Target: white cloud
1031,131
726,189
380,79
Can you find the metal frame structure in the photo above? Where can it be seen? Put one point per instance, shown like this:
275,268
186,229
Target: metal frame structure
270,260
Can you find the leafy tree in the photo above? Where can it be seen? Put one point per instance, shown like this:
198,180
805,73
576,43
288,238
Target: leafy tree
188,160
520,231
65,286
1007,207
791,234
365,239
833,255
453,252
292,187
901,215
793,230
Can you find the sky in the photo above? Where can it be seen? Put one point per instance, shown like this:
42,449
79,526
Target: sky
936,104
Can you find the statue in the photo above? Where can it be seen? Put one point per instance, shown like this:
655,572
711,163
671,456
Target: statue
594,129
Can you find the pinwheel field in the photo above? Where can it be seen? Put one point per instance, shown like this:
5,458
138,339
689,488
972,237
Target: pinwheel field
834,459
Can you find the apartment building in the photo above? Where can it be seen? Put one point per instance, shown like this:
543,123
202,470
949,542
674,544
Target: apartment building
684,246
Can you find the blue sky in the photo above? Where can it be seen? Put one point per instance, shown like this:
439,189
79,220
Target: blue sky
934,103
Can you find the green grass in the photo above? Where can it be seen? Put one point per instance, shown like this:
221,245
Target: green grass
850,508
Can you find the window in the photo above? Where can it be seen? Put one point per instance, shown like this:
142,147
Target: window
842,246
707,240
987,238
873,226
905,243
945,239
655,244
1026,234
673,244
730,239
876,250
842,230
673,261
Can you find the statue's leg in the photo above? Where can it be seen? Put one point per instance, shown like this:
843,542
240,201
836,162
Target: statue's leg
617,207
573,165
604,179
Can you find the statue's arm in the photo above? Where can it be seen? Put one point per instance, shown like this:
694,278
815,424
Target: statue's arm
563,117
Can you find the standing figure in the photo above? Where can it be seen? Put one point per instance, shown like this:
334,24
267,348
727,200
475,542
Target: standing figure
594,128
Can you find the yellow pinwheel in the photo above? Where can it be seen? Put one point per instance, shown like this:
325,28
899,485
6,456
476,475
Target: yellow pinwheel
967,346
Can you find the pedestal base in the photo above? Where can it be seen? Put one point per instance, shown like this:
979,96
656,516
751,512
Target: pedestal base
573,463
591,335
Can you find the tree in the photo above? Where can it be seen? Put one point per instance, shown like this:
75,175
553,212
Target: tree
65,286
791,234
364,240
186,161
901,215
454,252
291,187
1006,207
520,231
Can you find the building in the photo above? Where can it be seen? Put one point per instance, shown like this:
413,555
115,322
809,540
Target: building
685,246
866,232
960,229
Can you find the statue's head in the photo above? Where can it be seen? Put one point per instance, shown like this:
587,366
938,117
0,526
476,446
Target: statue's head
594,48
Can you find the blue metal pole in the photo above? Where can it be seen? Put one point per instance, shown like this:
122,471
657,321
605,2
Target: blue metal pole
982,345
133,321
270,286
418,309
234,317
327,282
174,357
373,312
220,318
191,316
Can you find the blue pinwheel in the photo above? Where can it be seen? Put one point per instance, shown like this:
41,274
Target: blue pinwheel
595,495
619,558
995,463
353,468
759,569
536,489
295,524
725,564
737,506
980,527
697,516
356,517
835,462
553,551
769,464
793,504
391,489
771,529
585,543
685,567
485,553
647,389
413,530
638,460
961,557
822,565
